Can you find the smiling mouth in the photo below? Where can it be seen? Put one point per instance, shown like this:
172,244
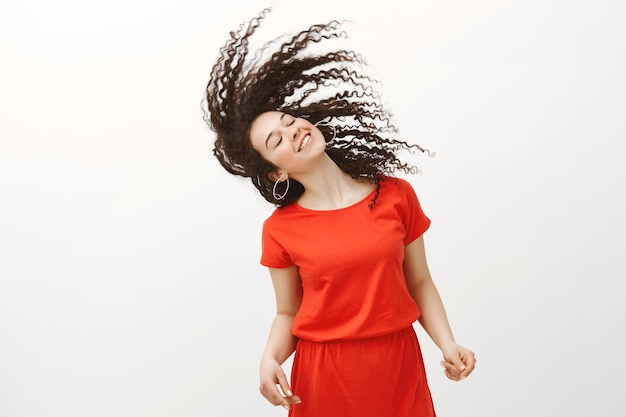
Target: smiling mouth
304,142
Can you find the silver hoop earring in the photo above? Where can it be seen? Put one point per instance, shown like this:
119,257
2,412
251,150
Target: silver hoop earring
328,124
280,196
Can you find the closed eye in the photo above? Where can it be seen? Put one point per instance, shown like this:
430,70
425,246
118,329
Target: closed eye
280,138
290,122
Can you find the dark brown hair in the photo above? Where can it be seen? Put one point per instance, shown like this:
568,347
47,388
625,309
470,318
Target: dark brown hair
328,87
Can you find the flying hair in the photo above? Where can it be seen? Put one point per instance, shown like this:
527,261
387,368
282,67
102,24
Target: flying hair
329,87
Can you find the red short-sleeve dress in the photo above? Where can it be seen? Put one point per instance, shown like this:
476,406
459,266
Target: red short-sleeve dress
357,353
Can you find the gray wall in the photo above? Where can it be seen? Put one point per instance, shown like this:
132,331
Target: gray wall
129,275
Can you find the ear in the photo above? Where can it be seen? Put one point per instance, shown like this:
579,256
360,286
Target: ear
279,176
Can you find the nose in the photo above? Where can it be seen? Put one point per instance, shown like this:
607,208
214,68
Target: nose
292,133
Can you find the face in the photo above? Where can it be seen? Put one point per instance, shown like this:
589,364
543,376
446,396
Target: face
289,143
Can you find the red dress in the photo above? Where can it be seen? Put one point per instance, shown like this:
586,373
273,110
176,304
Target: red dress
357,353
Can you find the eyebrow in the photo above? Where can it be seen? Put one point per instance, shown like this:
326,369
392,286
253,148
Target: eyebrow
282,116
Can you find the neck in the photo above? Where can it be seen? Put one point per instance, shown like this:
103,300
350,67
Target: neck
328,187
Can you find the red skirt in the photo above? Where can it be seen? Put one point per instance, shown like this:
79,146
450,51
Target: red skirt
376,377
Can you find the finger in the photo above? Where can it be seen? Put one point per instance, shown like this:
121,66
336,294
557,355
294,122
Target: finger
272,394
470,363
451,375
294,399
450,370
458,363
284,384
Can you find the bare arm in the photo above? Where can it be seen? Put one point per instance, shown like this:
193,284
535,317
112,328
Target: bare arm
281,343
458,361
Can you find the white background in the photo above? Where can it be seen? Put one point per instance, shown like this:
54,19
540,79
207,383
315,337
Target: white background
129,275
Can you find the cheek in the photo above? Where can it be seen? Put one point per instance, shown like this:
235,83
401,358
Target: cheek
283,152
282,156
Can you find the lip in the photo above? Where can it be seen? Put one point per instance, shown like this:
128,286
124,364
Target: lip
300,147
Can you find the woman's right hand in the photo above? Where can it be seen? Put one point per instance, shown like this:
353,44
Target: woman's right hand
273,377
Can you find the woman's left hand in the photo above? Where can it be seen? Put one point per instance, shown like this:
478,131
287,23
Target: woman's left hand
458,361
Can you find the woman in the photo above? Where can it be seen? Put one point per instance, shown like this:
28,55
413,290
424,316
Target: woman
344,247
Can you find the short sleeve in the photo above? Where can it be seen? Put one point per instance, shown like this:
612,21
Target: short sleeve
273,254
414,219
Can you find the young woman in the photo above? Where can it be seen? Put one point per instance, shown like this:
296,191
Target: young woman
344,247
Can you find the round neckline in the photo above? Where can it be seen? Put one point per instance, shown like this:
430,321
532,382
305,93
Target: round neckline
357,203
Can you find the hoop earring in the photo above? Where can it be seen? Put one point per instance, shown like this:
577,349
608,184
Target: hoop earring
280,196
328,124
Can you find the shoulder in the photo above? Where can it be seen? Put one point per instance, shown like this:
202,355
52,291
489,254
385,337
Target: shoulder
399,191
395,184
386,179
279,215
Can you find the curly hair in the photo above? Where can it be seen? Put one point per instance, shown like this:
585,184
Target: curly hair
326,87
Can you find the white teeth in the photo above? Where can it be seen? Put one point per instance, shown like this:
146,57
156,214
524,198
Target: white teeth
304,142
